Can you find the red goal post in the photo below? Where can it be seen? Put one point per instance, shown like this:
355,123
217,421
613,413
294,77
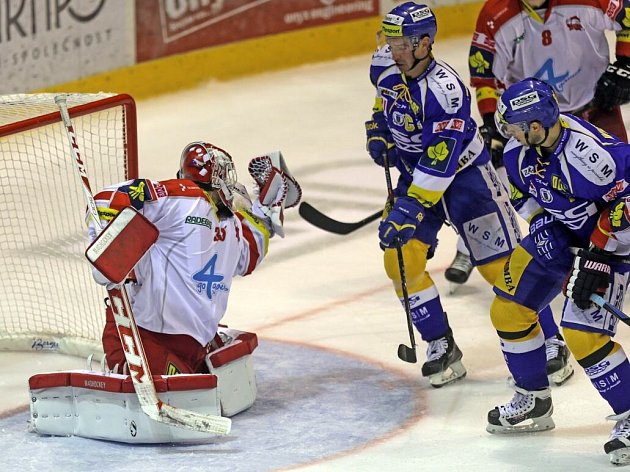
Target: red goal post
48,300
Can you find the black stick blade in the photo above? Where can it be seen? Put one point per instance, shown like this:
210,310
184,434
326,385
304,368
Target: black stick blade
407,354
321,221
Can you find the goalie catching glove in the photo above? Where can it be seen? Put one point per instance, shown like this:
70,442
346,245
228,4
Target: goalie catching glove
276,189
613,87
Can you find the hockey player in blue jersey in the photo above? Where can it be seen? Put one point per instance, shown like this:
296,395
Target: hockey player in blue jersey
421,122
570,180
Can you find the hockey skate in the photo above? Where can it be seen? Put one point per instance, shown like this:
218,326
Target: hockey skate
527,412
559,369
443,363
459,271
618,445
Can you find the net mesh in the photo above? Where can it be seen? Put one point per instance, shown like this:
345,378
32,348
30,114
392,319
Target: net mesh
48,300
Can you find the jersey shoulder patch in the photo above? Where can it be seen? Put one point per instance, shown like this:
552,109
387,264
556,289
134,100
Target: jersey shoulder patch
586,155
447,88
139,192
381,61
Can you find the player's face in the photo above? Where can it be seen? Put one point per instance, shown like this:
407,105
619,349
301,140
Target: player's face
402,52
532,135
516,131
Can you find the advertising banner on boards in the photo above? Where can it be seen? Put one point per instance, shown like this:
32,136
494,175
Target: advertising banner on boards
44,42
177,26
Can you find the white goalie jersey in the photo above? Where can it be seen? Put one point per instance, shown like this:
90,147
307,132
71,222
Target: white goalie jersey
182,284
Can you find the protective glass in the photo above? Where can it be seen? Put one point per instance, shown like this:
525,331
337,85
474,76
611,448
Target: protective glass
509,130
400,44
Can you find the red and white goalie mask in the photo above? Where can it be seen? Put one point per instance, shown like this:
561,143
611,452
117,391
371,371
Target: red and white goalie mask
210,166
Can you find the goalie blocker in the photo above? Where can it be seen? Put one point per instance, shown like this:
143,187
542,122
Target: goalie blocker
121,244
102,405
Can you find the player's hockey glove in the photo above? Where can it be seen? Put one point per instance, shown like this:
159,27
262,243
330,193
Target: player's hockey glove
493,140
613,87
590,274
550,237
401,223
380,141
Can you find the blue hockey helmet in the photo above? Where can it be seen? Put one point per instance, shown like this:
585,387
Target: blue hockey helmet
525,102
410,19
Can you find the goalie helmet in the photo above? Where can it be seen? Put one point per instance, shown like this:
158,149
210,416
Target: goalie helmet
525,102
411,20
211,167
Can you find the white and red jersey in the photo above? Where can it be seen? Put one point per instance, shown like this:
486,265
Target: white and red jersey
564,45
184,280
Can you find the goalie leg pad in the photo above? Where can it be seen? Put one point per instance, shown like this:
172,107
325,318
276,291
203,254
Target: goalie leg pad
104,406
233,365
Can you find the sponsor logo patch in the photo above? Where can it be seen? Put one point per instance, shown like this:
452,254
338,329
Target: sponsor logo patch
198,220
452,124
391,30
421,14
597,368
394,19
619,187
574,23
40,344
160,190
558,184
526,100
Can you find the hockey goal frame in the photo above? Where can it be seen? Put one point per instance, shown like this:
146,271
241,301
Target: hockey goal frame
54,340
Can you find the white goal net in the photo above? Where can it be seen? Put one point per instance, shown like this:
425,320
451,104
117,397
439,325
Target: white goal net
48,300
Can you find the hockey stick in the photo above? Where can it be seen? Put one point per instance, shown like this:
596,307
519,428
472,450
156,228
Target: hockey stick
321,221
128,330
405,353
613,310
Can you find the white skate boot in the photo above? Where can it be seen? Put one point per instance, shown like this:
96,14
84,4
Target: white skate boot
443,363
527,412
459,271
618,445
559,369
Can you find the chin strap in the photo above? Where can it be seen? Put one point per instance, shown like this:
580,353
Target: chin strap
418,61
539,144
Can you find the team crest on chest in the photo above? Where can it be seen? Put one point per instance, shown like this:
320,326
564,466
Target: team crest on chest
545,195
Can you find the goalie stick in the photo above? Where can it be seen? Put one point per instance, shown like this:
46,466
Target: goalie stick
321,221
405,353
128,330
